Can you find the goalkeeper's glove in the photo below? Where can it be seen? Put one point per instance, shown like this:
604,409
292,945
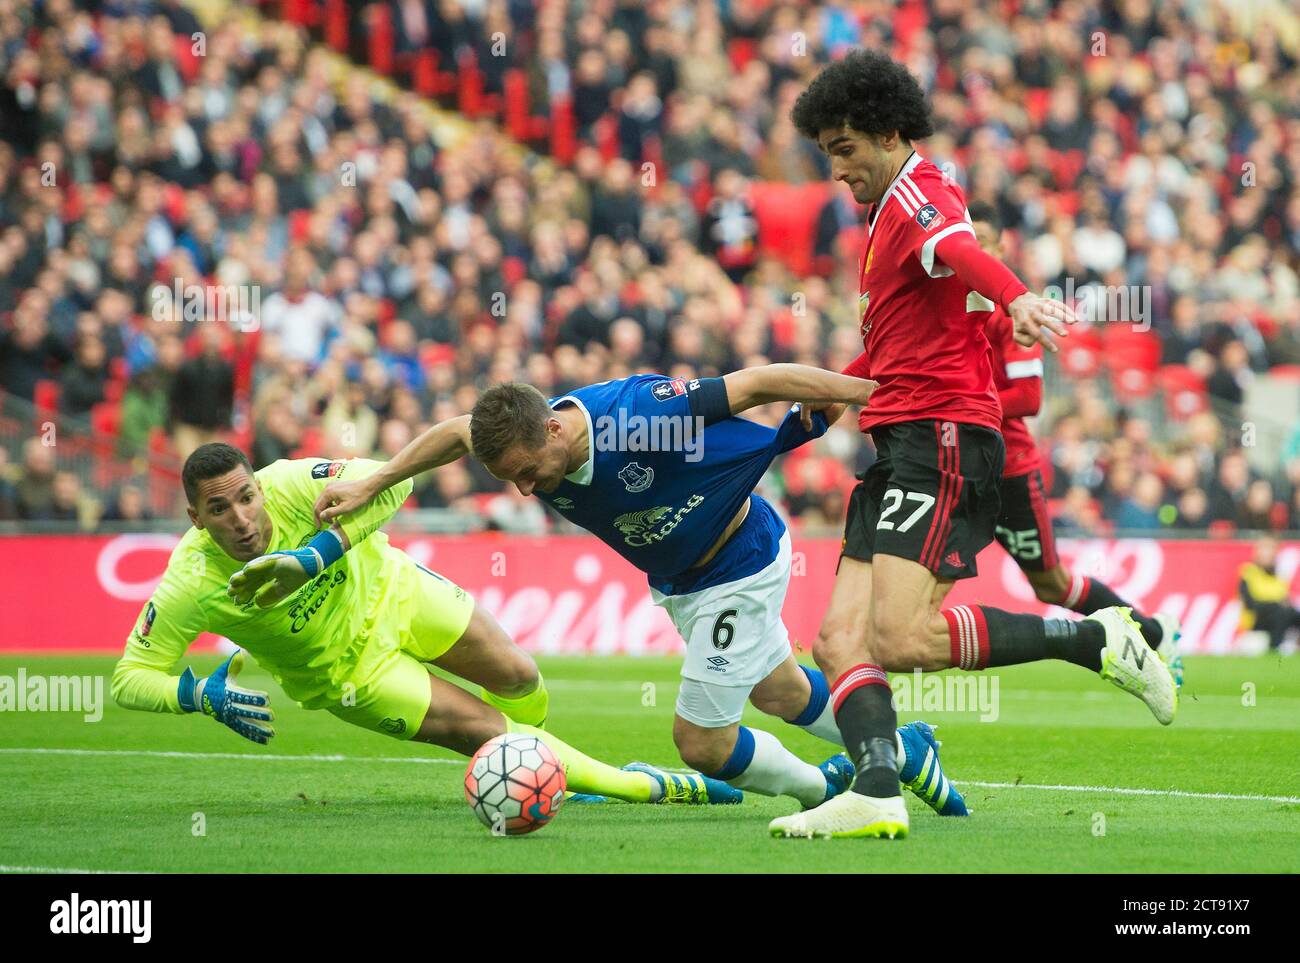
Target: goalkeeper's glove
244,710
270,579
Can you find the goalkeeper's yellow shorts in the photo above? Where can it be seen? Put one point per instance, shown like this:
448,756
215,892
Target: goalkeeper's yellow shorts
394,698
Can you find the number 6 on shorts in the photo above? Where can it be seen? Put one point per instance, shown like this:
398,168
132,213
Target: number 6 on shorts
894,498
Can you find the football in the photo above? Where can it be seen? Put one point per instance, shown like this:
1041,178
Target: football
514,784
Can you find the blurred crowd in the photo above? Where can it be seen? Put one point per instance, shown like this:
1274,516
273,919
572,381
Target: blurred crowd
398,273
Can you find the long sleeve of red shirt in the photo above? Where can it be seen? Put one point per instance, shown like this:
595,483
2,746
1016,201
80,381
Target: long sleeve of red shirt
979,271
1022,398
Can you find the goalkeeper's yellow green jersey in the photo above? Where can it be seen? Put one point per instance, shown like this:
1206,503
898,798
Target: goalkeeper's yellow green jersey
326,634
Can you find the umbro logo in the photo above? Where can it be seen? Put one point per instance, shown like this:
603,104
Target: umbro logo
562,503
717,661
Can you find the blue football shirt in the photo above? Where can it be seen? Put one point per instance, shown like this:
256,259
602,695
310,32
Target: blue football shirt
660,485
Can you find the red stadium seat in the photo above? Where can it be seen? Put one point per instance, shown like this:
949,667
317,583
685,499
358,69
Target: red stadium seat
304,12
605,132
187,62
472,100
336,24
106,418
46,399
381,38
515,85
741,50
311,443
910,17
1132,358
1184,391
787,220
432,354
1080,354
513,270
564,137
1036,99
1286,372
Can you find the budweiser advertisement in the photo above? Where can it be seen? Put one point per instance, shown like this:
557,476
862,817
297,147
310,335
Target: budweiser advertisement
573,596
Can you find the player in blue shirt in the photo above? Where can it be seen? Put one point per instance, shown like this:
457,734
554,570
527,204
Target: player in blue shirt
663,472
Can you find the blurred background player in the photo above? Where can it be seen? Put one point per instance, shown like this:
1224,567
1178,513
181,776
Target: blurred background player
1024,526
1265,598
717,555
343,621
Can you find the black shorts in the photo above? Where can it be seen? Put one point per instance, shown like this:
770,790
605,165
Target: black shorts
1024,525
931,496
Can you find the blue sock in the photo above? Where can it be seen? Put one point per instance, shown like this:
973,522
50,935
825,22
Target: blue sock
741,756
818,717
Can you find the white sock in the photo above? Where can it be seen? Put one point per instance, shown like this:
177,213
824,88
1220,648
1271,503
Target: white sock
825,727
774,770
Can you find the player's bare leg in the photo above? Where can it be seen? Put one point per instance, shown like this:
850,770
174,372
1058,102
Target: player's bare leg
460,721
755,760
488,657
908,634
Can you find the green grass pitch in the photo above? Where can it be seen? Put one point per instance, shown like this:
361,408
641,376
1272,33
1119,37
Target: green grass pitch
122,793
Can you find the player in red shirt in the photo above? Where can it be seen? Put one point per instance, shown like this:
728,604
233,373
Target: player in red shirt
1024,527
931,500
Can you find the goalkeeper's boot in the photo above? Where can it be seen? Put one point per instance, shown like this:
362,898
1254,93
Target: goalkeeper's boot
689,788
1134,666
1171,633
848,815
922,772
839,773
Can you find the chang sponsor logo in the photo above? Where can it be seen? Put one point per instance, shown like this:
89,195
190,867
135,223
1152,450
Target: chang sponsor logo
314,594
639,530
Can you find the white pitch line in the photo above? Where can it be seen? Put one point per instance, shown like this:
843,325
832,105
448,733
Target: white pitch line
61,871
423,760
267,757
1122,791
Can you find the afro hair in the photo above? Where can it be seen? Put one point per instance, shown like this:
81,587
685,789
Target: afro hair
867,91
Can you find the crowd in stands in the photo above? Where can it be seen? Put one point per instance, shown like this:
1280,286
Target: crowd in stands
399,272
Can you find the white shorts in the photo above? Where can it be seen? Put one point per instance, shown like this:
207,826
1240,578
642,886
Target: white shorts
734,640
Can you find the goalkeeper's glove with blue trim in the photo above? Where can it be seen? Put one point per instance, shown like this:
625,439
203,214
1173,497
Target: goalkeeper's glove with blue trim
246,711
270,579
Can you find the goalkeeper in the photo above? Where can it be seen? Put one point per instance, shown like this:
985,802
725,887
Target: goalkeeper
344,622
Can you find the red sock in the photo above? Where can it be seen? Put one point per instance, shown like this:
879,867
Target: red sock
968,637
855,678
1077,593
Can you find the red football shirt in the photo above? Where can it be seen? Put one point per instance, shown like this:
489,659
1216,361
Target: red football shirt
922,341
1018,377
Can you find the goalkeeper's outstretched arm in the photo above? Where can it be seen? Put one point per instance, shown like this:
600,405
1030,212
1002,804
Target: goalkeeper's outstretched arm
440,445
144,678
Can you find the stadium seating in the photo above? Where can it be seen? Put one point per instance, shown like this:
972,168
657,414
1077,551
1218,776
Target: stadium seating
458,217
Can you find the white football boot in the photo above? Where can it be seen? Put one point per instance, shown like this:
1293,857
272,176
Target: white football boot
1171,632
847,815
1134,666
